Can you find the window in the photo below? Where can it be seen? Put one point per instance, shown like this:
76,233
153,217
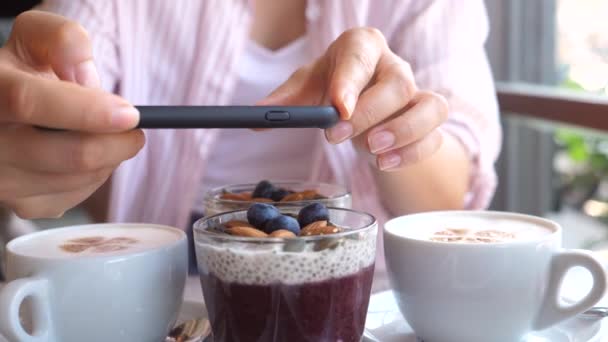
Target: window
581,161
582,45
551,165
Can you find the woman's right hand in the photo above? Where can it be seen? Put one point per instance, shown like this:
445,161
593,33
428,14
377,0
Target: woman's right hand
48,79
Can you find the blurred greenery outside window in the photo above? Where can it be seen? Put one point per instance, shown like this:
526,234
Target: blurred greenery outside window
581,161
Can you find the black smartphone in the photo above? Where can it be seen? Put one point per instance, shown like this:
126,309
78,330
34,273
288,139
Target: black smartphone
237,116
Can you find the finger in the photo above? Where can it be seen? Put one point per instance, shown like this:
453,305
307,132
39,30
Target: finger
354,57
288,94
392,92
26,183
43,151
410,154
52,205
304,87
43,39
32,100
428,112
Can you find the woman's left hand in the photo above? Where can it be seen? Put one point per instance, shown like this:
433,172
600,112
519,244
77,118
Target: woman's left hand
374,90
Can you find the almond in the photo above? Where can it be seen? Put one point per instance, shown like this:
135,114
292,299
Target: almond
283,233
296,196
238,223
236,197
319,228
316,224
246,231
262,200
309,194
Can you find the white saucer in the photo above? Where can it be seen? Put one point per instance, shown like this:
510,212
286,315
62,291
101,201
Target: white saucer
385,323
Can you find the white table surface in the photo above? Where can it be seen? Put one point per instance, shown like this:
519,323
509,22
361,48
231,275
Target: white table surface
193,291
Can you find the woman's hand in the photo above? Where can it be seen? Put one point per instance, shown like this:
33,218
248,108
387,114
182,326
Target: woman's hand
48,78
376,95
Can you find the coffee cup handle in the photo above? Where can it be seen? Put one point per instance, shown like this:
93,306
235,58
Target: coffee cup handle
552,312
12,296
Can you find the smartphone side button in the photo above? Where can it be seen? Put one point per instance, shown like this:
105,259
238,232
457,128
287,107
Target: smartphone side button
277,116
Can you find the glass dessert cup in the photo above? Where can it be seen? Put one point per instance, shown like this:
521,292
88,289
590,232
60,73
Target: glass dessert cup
313,288
336,196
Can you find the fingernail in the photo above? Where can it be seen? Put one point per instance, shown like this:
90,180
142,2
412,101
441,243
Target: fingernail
389,161
86,74
350,101
340,132
381,141
125,117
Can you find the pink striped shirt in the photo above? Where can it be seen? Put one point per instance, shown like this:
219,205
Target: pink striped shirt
186,52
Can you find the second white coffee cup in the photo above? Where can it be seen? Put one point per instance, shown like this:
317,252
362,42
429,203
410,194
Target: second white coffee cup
479,292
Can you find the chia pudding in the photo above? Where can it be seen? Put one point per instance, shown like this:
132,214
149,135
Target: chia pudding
301,288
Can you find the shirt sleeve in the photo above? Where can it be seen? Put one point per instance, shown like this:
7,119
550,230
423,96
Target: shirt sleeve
99,19
444,44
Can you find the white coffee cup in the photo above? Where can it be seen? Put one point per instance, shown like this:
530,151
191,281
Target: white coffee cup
107,282
479,292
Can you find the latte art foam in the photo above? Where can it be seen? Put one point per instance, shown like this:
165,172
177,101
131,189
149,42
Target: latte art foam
465,235
98,241
474,230
98,244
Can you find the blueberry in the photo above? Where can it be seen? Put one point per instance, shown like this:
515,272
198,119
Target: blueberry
263,189
279,193
283,222
260,213
312,213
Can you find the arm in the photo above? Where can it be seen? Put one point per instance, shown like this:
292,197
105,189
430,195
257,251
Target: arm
439,182
445,47
48,79
393,97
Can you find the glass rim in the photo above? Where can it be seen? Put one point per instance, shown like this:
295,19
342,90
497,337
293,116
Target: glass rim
210,195
278,240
